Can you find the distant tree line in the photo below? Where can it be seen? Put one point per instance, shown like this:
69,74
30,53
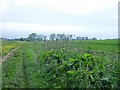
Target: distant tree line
85,38
55,37
35,37
52,37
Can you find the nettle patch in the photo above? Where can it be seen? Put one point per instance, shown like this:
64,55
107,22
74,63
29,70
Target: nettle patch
63,69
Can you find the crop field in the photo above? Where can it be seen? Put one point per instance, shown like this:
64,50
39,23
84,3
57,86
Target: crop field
6,46
62,64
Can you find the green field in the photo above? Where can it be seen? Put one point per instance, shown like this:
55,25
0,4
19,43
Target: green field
6,46
62,64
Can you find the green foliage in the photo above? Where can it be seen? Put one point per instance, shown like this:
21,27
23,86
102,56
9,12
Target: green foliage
86,67
53,65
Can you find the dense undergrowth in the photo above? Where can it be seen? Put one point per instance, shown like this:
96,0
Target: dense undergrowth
65,70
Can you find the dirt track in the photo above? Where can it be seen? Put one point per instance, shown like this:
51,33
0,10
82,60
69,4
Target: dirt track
4,58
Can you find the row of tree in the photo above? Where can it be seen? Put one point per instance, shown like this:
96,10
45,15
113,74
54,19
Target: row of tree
85,38
34,37
55,37
52,37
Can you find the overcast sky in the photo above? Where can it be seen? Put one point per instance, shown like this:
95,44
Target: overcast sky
92,18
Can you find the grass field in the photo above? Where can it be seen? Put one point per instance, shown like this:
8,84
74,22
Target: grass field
61,64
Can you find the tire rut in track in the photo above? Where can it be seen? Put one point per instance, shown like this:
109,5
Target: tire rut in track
24,71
